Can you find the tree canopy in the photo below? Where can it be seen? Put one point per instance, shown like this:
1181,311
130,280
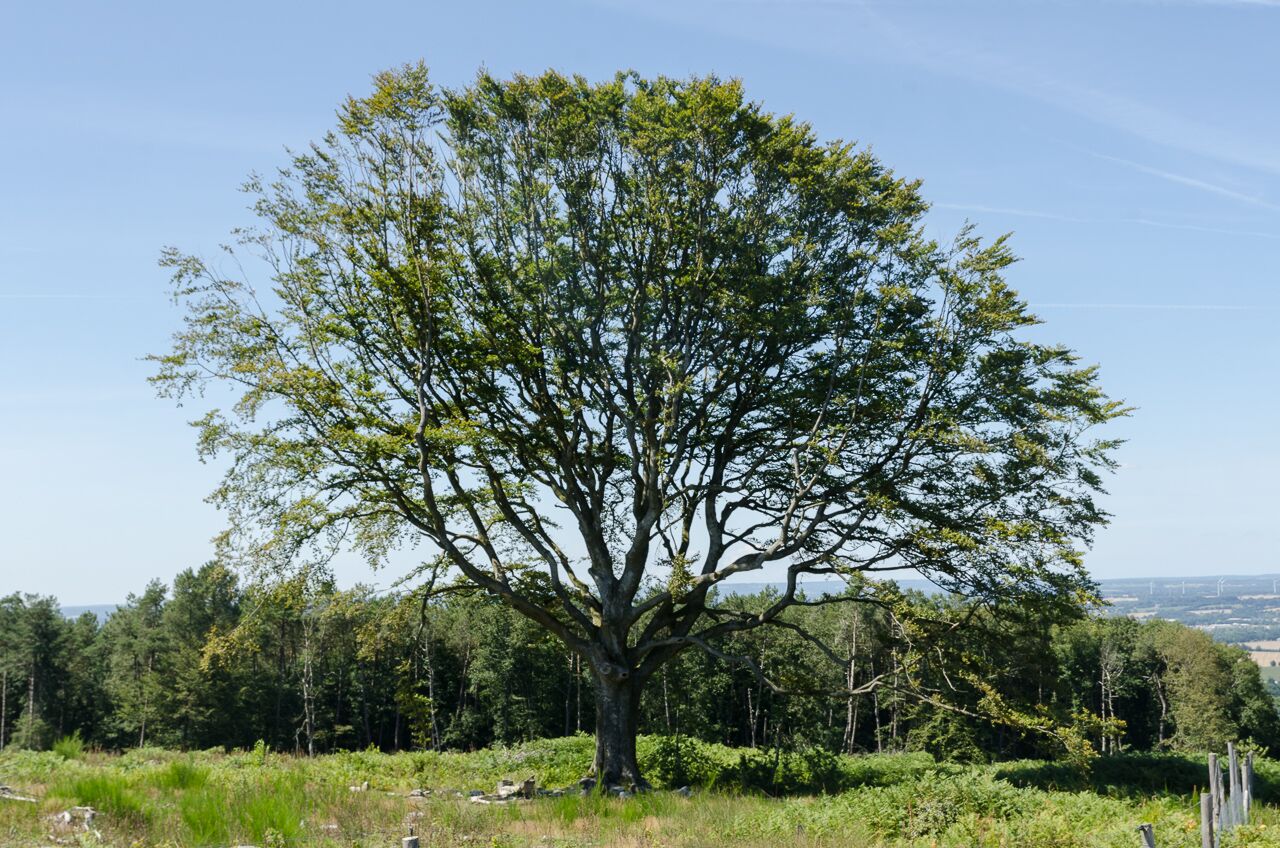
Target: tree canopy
600,346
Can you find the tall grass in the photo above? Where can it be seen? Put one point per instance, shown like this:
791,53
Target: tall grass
258,808
273,807
205,817
164,798
180,774
106,792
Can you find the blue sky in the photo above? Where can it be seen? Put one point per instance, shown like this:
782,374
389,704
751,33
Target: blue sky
1133,148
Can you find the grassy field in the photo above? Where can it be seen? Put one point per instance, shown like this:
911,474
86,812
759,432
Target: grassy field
161,798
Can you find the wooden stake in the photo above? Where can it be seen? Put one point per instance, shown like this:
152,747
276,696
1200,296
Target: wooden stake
1246,784
1215,791
1148,836
1206,820
1233,767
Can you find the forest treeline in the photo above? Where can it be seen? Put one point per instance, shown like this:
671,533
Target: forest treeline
210,662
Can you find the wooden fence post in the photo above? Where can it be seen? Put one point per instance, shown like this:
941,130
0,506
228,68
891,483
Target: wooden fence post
1206,820
1215,791
1147,832
1233,767
1233,762
1223,824
410,841
1246,782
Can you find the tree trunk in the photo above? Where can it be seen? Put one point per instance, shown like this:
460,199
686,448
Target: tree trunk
617,708
1164,709
850,709
896,702
31,704
4,703
666,701
431,689
146,704
568,697
308,693
853,728
577,684
364,709
1105,698
280,684
875,702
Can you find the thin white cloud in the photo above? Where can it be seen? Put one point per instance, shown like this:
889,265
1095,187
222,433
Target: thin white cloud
1165,307
1192,182
890,3
1197,228
946,55
90,110
1020,213
69,296
1107,222
1274,4
1125,114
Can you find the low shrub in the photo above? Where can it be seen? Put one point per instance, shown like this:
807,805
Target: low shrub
669,763
921,808
69,747
1133,775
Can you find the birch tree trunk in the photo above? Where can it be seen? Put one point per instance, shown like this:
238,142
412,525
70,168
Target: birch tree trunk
308,706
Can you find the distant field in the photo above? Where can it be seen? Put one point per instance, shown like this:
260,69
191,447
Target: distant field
1235,609
158,798
1264,652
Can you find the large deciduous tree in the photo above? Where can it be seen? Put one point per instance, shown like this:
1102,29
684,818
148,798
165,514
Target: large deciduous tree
598,347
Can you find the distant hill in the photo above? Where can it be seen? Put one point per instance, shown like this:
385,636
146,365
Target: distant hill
102,611
818,587
1232,607
1216,585
1231,602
